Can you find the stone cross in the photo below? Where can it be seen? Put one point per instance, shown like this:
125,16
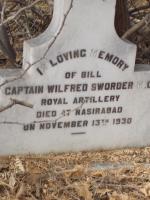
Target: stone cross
78,88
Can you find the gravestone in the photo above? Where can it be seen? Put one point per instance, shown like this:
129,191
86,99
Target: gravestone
78,88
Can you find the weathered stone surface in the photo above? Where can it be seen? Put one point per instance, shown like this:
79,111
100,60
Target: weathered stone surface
79,88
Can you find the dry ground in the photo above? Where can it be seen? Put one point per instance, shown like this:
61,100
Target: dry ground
104,175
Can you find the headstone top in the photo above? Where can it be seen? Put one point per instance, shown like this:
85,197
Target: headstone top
81,24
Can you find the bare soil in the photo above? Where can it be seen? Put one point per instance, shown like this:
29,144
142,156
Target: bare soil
102,175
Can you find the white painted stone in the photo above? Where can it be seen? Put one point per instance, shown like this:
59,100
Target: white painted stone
83,29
